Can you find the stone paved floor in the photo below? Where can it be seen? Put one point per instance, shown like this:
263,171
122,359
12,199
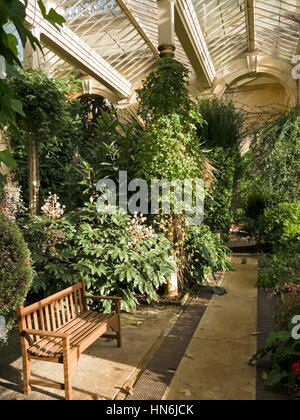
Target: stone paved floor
216,363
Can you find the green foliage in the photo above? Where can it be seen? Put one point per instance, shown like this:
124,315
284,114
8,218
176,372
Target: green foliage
284,352
14,11
255,205
280,272
55,121
169,149
223,124
101,249
272,166
109,151
44,104
16,273
164,92
219,200
206,255
278,269
280,226
221,134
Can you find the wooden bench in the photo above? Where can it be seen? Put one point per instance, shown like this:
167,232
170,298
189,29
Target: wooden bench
59,328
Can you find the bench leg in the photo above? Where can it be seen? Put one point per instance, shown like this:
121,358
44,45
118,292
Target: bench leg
68,382
26,374
119,333
67,368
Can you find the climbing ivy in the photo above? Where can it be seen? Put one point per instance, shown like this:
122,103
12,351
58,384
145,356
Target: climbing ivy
272,166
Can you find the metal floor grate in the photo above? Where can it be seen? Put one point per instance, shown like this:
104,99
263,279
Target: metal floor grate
154,381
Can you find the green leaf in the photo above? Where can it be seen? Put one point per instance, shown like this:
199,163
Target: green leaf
7,159
280,335
54,17
17,107
274,377
12,43
220,291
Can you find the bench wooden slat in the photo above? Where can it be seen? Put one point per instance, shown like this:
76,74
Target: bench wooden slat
36,323
80,301
52,343
50,299
52,347
76,303
53,316
67,308
72,306
80,337
58,314
47,316
42,319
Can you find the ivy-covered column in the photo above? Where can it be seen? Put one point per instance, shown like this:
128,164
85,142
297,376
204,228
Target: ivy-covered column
166,28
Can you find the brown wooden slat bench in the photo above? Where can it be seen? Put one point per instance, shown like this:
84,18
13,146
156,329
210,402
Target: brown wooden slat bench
59,328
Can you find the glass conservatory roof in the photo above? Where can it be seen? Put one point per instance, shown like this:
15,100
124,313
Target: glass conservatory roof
125,32
226,30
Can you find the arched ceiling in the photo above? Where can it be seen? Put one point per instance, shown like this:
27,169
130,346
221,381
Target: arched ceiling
122,36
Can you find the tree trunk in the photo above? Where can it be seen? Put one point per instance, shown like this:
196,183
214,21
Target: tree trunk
34,178
172,284
176,236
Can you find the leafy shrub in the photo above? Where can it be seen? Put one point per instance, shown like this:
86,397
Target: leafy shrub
255,205
288,301
280,225
53,129
115,255
205,254
218,203
221,134
15,270
223,123
272,164
285,355
169,149
278,269
165,90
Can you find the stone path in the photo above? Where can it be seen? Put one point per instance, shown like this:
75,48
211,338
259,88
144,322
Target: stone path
215,366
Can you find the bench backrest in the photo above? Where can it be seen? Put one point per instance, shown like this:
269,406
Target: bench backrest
55,311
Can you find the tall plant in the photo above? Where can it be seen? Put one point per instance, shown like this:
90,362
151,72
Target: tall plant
14,11
168,148
221,135
272,165
46,121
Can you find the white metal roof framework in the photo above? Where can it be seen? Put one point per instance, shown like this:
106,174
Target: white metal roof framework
121,36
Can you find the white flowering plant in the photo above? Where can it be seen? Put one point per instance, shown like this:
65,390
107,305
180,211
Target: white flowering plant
116,255
52,207
11,202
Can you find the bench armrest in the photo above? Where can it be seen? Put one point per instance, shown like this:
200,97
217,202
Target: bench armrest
41,333
104,297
